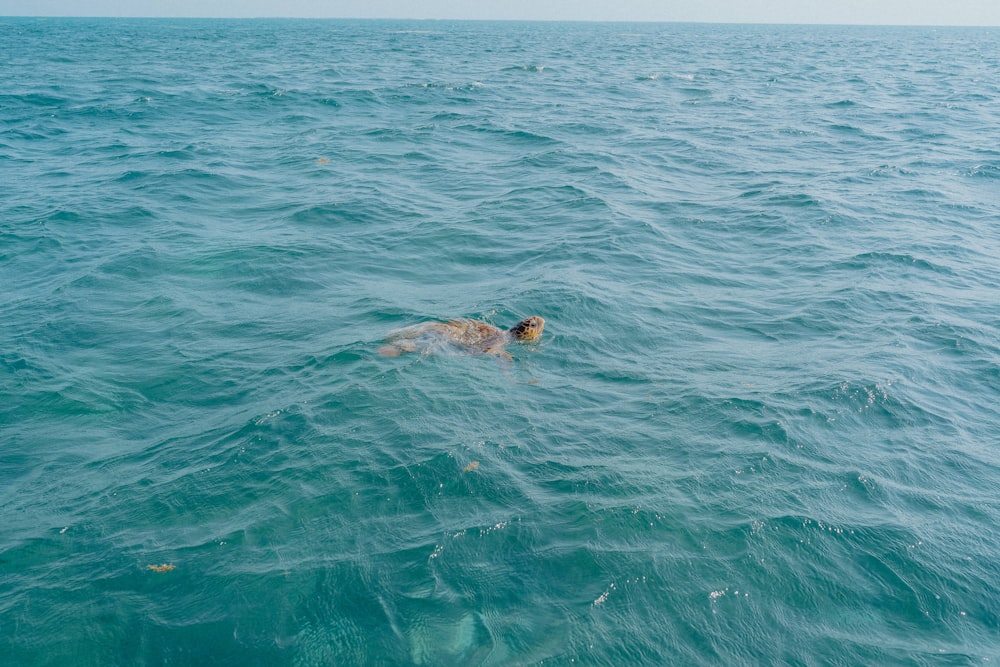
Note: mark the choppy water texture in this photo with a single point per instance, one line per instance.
(761, 426)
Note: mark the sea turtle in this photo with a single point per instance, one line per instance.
(461, 337)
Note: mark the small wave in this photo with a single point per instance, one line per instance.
(34, 99)
(61, 215)
(670, 75)
(525, 68)
(537, 197)
(870, 259)
(794, 200)
(332, 214)
(515, 134)
(448, 87)
(889, 170)
(697, 92)
(132, 175)
(444, 116)
(846, 129)
(185, 153)
(984, 171)
(759, 189)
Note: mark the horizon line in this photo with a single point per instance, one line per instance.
(487, 20)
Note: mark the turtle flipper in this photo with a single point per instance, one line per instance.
(396, 348)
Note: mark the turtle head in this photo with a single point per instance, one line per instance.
(529, 328)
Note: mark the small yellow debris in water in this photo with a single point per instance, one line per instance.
(322, 160)
(472, 466)
(162, 568)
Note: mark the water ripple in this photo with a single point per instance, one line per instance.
(757, 428)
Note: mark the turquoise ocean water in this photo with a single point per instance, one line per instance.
(761, 427)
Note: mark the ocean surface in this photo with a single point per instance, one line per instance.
(761, 426)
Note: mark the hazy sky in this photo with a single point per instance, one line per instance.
(902, 12)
